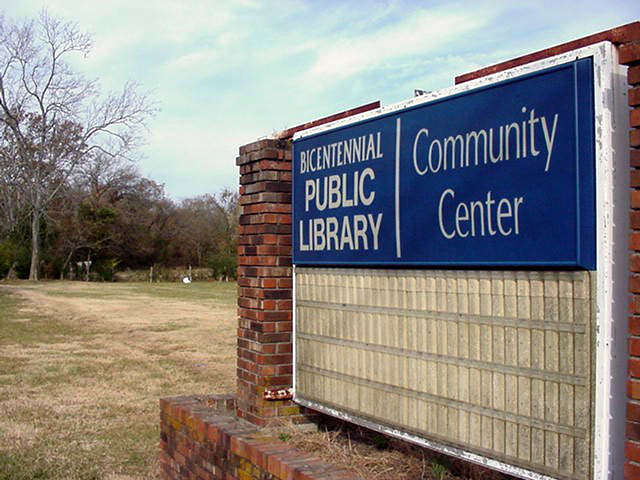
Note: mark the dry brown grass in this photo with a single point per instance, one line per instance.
(373, 456)
(82, 366)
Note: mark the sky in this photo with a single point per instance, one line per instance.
(224, 73)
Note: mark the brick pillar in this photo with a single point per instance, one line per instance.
(629, 54)
(265, 358)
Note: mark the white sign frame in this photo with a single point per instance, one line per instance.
(612, 207)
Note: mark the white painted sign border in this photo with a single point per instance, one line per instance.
(612, 207)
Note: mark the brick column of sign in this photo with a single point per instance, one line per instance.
(265, 359)
(630, 56)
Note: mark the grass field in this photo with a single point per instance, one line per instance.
(82, 366)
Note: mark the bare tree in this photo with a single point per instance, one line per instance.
(227, 203)
(54, 118)
(87, 202)
(11, 200)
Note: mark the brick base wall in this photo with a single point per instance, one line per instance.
(201, 439)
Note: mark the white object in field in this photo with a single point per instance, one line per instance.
(186, 280)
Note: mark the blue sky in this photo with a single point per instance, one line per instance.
(225, 73)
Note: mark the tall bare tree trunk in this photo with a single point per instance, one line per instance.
(34, 271)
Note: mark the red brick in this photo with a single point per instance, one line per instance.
(633, 75)
(633, 391)
(284, 304)
(622, 34)
(269, 305)
(634, 346)
(277, 294)
(258, 177)
(634, 117)
(634, 157)
(284, 327)
(248, 302)
(634, 96)
(626, 33)
(634, 367)
(280, 164)
(276, 381)
(285, 240)
(347, 113)
(284, 348)
(631, 471)
(274, 359)
(284, 261)
(634, 325)
(270, 239)
(270, 249)
(273, 337)
(629, 53)
(634, 241)
(633, 430)
(633, 411)
(634, 137)
(273, 316)
(283, 370)
(635, 199)
(257, 145)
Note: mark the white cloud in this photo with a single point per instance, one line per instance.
(194, 62)
(193, 158)
(417, 34)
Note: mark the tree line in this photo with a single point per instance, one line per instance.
(117, 219)
(69, 189)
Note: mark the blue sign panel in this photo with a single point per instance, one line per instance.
(503, 175)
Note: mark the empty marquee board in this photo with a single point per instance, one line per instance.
(498, 363)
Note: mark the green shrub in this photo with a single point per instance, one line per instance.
(10, 252)
(104, 269)
(223, 264)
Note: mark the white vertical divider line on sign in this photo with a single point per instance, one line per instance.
(397, 193)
